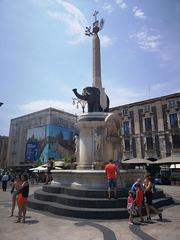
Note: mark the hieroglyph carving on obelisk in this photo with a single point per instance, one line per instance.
(97, 26)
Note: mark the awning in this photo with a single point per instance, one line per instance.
(137, 161)
(168, 160)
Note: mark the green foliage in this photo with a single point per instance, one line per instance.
(67, 161)
(38, 163)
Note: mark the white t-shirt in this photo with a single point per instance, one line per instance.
(5, 178)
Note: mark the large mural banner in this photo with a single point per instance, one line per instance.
(49, 141)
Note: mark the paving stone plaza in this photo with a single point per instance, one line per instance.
(41, 225)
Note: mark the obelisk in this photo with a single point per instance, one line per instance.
(97, 26)
(96, 62)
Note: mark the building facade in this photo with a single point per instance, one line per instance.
(151, 128)
(3, 151)
(39, 135)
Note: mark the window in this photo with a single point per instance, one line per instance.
(147, 108)
(149, 141)
(125, 112)
(176, 141)
(126, 127)
(148, 125)
(173, 120)
(171, 103)
(127, 144)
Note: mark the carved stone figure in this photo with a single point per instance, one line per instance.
(92, 96)
(76, 141)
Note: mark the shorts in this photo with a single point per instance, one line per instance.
(21, 199)
(112, 183)
(139, 209)
(148, 198)
(14, 194)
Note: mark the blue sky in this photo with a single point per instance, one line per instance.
(44, 53)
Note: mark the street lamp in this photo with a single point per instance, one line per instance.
(1, 104)
(80, 102)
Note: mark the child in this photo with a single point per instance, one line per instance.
(138, 201)
(130, 207)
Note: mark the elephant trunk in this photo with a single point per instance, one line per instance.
(78, 95)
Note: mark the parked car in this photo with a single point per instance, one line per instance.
(162, 180)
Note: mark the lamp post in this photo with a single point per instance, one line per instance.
(80, 102)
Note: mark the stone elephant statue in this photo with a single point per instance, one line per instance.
(92, 96)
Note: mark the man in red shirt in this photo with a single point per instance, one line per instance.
(138, 201)
(111, 174)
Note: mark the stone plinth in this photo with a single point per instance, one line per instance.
(87, 124)
(98, 138)
(93, 179)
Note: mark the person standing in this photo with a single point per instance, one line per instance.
(49, 168)
(111, 175)
(148, 186)
(130, 207)
(22, 198)
(14, 191)
(138, 181)
(4, 180)
(138, 201)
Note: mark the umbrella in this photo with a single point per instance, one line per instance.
(174, 166)
(137, 161)
(168, 160)
(39, 169)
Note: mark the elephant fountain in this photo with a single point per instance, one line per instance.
(92, 96)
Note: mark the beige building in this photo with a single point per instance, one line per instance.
(3, 151)
(38, 135)
(151, 128)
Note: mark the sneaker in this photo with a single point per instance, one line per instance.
(130, 223)
(160, 216)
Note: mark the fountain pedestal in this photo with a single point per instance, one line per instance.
(97, 142)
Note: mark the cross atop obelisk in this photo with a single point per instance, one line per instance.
(95, 15)
(97, 26)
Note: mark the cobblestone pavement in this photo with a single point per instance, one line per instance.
(40, 225)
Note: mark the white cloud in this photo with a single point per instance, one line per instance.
(121, 4)
(158, 86)
(73, 19)
(147, 41)
(105, 41)
(138, 13)
(42, 104)
(120, 96)
(107, 7)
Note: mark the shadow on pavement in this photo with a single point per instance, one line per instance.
(138, 232)
(31, 222)
(163, 220)
(108, 234)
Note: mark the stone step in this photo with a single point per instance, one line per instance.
(80, 201)
(89, 193)
(77, 212)
(100, 193)
(88, 213)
